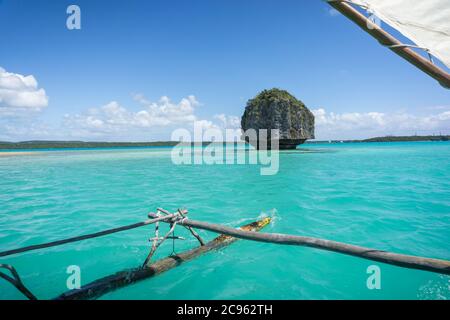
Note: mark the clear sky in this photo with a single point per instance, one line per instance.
(138, 69)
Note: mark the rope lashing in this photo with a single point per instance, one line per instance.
(157, 241)
(179, 216)
(155, 247)
(403, 45)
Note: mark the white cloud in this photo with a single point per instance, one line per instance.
(20, 93)
(113, 117)
(155, 120)
(26, 129)
(330, 125)
(164, 112)
(230, 122)
(115, 122)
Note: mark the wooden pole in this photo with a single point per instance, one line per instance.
(99, 287)
(401, 260)
(155, 240)
(86, 236)
(392, 43)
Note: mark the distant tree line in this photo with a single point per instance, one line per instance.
(407, 138)
(87, 145)
(81, 144)
(392, 139)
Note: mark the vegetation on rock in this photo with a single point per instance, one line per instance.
(278, 109)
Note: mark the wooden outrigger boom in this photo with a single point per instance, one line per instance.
(228, 235)
(396, 259)
(102, 286)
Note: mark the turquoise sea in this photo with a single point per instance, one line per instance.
(389, 196)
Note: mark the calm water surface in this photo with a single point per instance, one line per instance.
(389, 196)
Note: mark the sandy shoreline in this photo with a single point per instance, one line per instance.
(14, 153)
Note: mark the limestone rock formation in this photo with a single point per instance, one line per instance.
(278, 109)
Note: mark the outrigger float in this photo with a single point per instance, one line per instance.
(228, 236)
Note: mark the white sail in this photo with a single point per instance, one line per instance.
(425, 22)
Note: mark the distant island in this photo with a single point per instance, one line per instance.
(81, 144)
(25, 145)
(389, 139)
